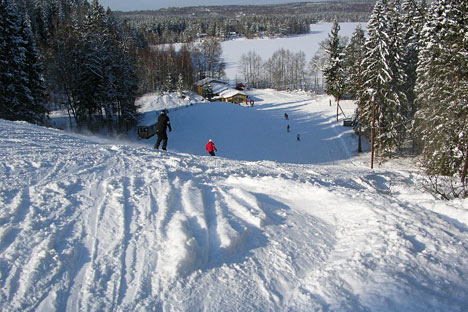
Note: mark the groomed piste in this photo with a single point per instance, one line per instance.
(269, 224)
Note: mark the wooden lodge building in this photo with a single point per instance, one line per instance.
(220, 91)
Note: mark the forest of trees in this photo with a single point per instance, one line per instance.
(76, 55)
(69, 53)
(411, 73)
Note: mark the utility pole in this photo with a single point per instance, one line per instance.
(359, 120)
(465, 167)
(372, 98)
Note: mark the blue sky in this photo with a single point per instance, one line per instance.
(133, 5)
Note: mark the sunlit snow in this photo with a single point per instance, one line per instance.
(270, 224)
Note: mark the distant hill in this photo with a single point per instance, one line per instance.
(338, 8)
(224, 22)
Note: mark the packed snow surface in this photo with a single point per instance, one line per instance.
(269, 224)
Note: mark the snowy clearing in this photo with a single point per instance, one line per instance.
(272, 224)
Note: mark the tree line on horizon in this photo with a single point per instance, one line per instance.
(176, 25)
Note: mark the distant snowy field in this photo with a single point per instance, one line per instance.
(309, 44)
(271, 224)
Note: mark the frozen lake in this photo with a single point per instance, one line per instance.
(309, 44)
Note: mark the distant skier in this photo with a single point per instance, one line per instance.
(287, 128)
(298, 137)
(163, 123)
(286, 116)
(211, 148)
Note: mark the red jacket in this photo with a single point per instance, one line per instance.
(210, 147)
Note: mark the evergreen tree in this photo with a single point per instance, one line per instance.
(354, 54)
(413, 15)
(180, 85)
(121, 77)
(354, 67)
(12, 58)
(334, 71)
(385, 76)
(35, 108)
(442, 89)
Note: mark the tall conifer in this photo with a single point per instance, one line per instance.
(442, 89)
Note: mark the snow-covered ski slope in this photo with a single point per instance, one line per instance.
(88, 224)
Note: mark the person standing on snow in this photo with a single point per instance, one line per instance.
(163, 123)
(211, 148)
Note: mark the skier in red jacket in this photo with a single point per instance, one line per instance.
(211, 148)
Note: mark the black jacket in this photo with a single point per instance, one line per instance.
(163, 123)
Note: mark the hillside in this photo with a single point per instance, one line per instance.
(331, 7)
(271, 224)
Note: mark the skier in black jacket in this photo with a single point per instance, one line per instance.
(163, 123)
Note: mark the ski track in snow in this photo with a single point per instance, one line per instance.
(93, 226)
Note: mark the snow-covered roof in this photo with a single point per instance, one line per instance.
(217, 87)
(230, 93)
(207, 81)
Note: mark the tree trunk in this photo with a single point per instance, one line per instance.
(465, 167)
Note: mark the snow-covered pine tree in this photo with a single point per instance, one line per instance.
(384, 75)
(121, 73)
(180, 85)
(20, 77)
(12, 58)
(354, 54)
(35, 108)
(90, 52)
(354, 71)
(400, 117)
(412, 17)
(442, 89)
(334, 72)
